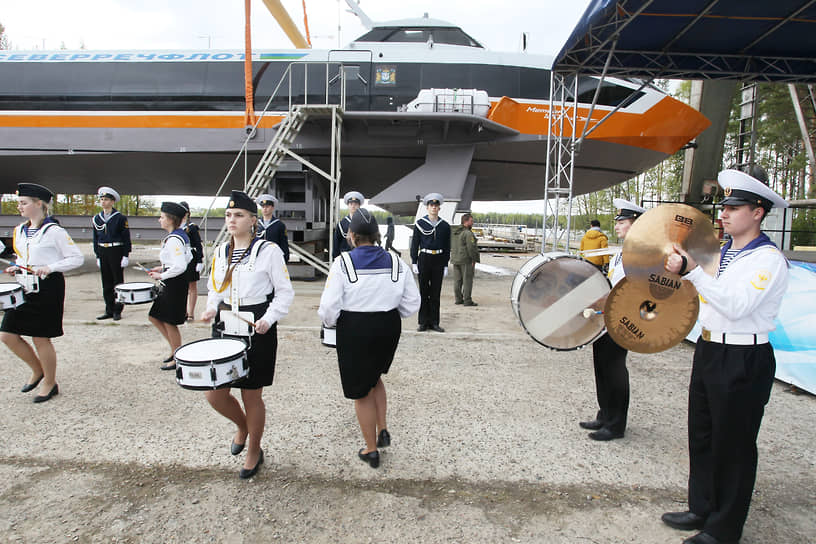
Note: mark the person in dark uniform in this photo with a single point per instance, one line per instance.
(111, 245)
(608, 358)
(367, 292)
(353, 200)
(169, 309)
(44, 251)
(430, 252)
(733, 367)
(270, 227)
(389, 236)
(248, 275)
(195, 267)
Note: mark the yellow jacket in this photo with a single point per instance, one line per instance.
(595, 239)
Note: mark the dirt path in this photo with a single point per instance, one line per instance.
(484, 421)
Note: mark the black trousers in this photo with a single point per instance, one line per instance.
(110, 261)
(431, 272)
(730, 386)
(611, 383)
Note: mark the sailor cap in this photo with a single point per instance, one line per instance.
(740, 188)
(362, 222)
(626, 209)
(174, 209)
(108, 192)
(35, 191)
(353, 195)
(241, 200)
(430, 197)
(266, 199)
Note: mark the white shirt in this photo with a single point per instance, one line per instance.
(254, 281)
(51, 246)
(616, 272)
(372, 292)
(745, 297)
(174, 256)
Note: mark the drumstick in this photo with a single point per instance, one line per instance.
(247, 321)
(27, 269)
(589, 312)
(139, 266)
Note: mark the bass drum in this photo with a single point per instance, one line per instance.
(558, 299)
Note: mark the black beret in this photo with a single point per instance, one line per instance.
(241, 200)
(185, 206)
(362, 222)
(173, 209)
(35, 191)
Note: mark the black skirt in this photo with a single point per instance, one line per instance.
(170, 305)
(261, 355)
(366, 343)
(191, 272)
(41, 314)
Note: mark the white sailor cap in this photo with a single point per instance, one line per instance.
(740, 188)
(266, 199)
(430, 197)
(626, 209)
(108, 192)
(353, 195)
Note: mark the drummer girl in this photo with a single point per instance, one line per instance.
(248, 275)
(169, 310)
(46, 251)
(367, 293)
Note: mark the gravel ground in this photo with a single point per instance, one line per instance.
(486, 446)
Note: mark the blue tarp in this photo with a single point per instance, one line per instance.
(695, 39)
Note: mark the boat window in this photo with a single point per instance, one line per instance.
(445, 35)
(611, 94)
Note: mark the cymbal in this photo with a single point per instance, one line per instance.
(650, 238)
(649, 317)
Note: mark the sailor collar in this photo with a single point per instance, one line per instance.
(104, 220)
(426, 227)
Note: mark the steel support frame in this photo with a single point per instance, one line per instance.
(562, 130)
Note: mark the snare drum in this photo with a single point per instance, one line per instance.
(209, 363)
(140, 292)
(11, 295)
(550, 294)
(328, 336)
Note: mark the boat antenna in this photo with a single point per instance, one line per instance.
(358, 11)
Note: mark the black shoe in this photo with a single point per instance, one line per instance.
(169, 359)
(705, 538)
(117, 316)
(604, 435)
(235, 449)
(53, 393)
(459, 302)
(422, 328)
(436, 328)
(593, 425)
(171, 366)
(247, 473)
(372, 457)
(29, 386)
(384, 439)
(685, 521)
(471, 303)
(106, 315)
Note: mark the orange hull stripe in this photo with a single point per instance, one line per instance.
(131, 121)
(666, 127)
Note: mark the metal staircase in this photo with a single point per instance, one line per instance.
(280, 148)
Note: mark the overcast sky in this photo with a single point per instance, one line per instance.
(219, 24)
